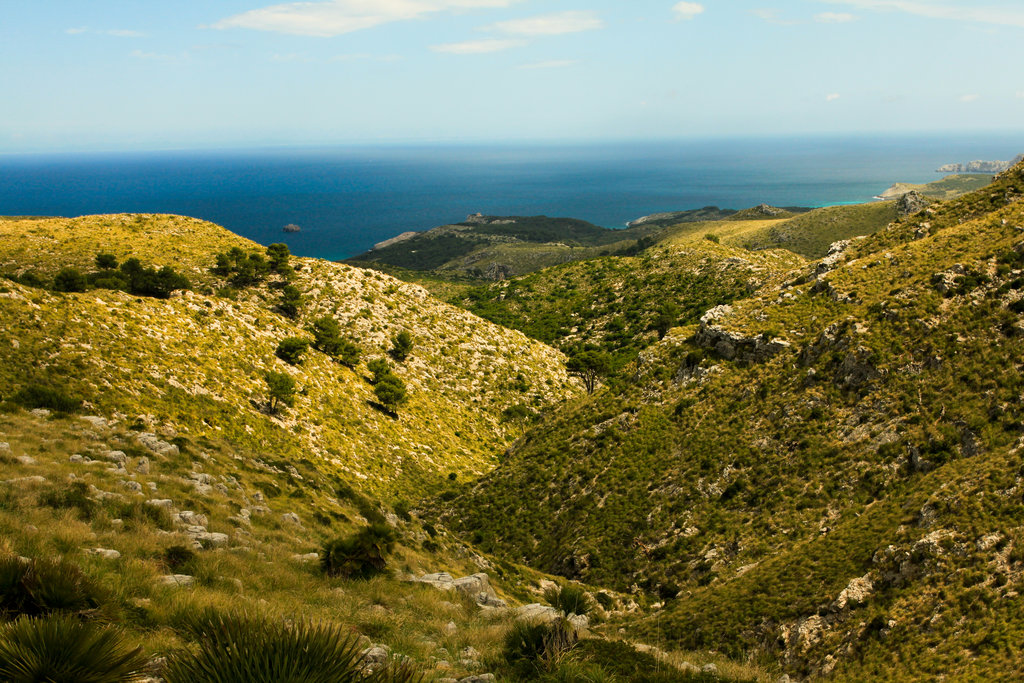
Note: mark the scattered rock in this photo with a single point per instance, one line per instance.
(132, 486)
(190, 518)
(478, 678)
(143, 465)
(5, 447)
(96, 421)
(450, 628)
(291, 518)
(105, 553)
(40, 412)
(76, 457)
(27, 480)
(709, 669)
(165, 503)
(537, 612)
(308, 557)
(116, 456)
(156, 445)
(856, 593)
(26, 460)
(178, 580)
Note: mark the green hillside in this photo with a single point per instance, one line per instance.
(154, 506)
(197, 360)
(622, 304)
(822, 476)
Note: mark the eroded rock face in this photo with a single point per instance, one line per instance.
(734, 346)
(856, 593)
(910, 203)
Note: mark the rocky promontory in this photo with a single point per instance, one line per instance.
(980, 166)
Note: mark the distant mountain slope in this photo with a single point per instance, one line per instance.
(197, 360)
(825, 475)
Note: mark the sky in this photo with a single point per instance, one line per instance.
(193, 74)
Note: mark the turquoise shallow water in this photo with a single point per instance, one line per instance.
(347, 199)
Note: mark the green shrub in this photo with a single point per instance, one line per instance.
(70, 280)
(178, 557)
(247, 649)
(401, 346)
(291, 301)
(290, 350)
(71, 496)
(280, 389)
(569, 599)
(359, 556)
(390, 391)
(106, 261)
(65, 649)
(43, 586)
(40, 396)
(532, 647)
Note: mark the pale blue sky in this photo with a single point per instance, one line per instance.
(146, 74)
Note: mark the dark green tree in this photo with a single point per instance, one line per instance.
(326, 335)
(401, 346)
(349, 353)
(390, 391)
(106, 261)
(291, 301)
(589, 366)
(379, 368)
(278, 256)
(281, 390)
(70, 280)
(668, 314)
(290, 350)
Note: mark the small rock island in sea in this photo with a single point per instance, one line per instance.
(291, 227)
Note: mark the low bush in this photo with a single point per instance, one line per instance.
(359, 556)
(35, 396)
(569, 599)
(38, 587)
(247, 649)
(63, 648)
(535, 647)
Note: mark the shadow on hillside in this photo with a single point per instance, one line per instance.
(381, 408)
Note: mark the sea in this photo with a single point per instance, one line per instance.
(346, 199)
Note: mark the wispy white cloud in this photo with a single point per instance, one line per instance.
(834, 17)
(366, 57)
(1020, 94)
(771, 15)
(551, 64)
(477, 47)
(687, 10)
(336, 17)
(292, 58)
(550, 24)
(970, 98)
(1005, 14)
(155, 56)
(832, 97)
(116, 32)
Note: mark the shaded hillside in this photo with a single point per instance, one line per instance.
(198, 359)
(825, 475)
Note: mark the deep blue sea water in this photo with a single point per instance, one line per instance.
(347, 199)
